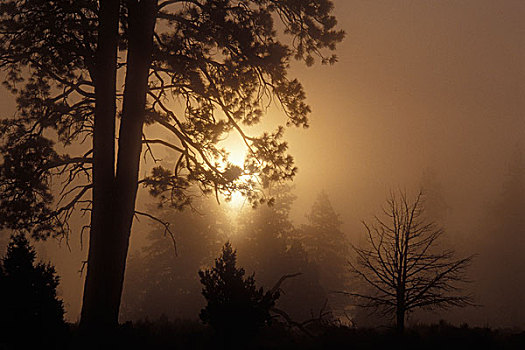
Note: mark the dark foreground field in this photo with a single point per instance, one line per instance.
(193, 335)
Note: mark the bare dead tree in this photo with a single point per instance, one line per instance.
(404, 265)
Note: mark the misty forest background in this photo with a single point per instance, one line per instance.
(416, 101)
(162, 280)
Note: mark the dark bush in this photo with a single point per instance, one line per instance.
(29, 308)
(236, 307)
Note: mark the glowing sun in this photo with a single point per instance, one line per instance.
(237, 202)
(236, 148)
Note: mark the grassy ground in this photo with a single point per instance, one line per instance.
(163, 334)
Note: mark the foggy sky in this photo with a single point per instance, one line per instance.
(419, 85)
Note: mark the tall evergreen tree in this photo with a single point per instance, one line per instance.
(28, 299)
(264, 234)
(268, 245)
(327, 245)
(78, 67)
(162, 278)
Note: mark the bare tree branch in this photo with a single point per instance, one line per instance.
(166, 225)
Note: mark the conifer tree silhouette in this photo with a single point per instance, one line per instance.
(28, 299)
(235, 306)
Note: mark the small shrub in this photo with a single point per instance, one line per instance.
(235, 305)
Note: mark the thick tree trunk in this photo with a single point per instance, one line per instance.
(400, 306)
(109, 238)
(400, 320)
(141, 22)
(96, 306)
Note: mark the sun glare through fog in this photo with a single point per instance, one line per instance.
(237, 153)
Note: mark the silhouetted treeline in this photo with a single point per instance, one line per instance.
(164, 293)
(272, 246)
(162, 279)
(162, 282)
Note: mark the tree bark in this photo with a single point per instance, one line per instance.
(109, 237)
(141, 25)
(96, 302)
(400, 320)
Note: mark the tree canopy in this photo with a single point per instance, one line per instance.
(215, 67)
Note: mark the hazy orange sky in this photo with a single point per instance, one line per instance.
(418, 84)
